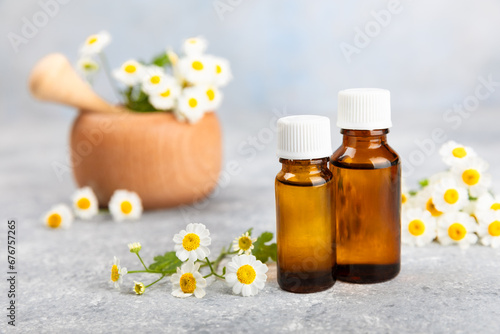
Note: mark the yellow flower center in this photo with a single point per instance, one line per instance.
(193, 41)
(403, 198)
(246, 274)
(126, 207)
(459, 152)
(115, 275)
(451, 196)
(495, 206)
(89, 66)
(432, 209)
(471, 177)
(244, 243)
(83, 203)
(54, 220)
(130, 68)
(191, 242)
(166, 93)
(188, 283)
(494, 228)
(457, 231)
(155, 79)
(218, 69)
(416, 227)
(197, 65)
(192, 102)
(92, 40)
(139, 288)
(211, 94)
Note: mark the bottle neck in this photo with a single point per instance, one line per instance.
(365, 138)
(304, 166)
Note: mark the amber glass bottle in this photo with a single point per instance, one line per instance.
(367, 189)
(304, 220)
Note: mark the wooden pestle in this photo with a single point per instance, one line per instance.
(54, 79)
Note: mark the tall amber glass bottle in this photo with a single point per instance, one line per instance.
(367, 189)
(304, 220)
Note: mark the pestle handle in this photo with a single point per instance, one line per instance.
(54, 79)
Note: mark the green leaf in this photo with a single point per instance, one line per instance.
(424, 183)
(264, 251)
(161, 60)
(224, 271)
(166, 263)
(412, 192)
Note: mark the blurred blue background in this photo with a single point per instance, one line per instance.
(285, 55)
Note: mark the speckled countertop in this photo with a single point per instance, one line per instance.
(63, 275)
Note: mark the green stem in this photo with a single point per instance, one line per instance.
(159, 279)
(140, 258)
(150, 272)
(212, 272)
(107, 70)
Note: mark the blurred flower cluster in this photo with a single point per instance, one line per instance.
(123, 205)
(455, 206)
(188, 85)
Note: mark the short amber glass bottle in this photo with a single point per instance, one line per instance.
(367, 190)
(304, 220)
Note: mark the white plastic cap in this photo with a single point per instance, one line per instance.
(364, 109)
(304, 137)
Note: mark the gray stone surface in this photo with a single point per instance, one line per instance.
(63, 275)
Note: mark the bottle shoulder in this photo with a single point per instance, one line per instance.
(304, 178)
(381, 156)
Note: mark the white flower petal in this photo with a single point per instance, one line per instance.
(237, 288)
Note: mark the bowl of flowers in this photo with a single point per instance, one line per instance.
(162, 140)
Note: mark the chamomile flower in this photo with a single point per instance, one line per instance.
(172, 57)
(457, 228)
(213, 97)
(192, 243)
(197, 69)
(407, 200)
(87, 66)
(194, 46)
(222, 71)
(489, 229)
(59, 216)
(452, 152)
(125, 205)
(246, 275)
(191, 105)
(130, 73)
(487, 203)
(117, 273)
(85, 204)
(188, 281)
(154, 80)
(448, 196)
(471, 173)
(95, 43)
(436, 178)
(166, 99)
(139, 288)
(134, 247)
(424, 200)
(244, 244)
(418, 227)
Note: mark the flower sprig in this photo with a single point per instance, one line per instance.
(245, 273)
(454, 207)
